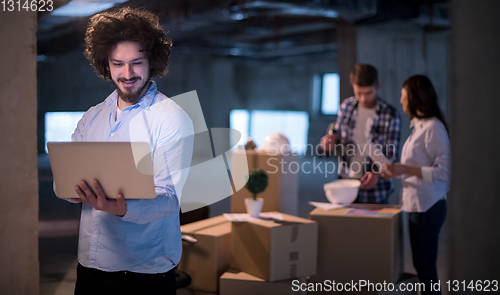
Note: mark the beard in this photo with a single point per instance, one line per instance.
(131, 96)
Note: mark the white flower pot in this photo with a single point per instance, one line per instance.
(254, 207)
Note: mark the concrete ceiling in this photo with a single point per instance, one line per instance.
(263, 29)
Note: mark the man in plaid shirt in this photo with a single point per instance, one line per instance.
(368, 118)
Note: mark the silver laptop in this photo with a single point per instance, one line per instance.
(120, 167)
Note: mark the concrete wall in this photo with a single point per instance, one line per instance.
(475, 198)
(67, 83)
(18, 176)
(399, 50)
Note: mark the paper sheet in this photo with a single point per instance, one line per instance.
(361, 212)
(273, 216)
(238, 217)
(243, 217)
(326, 206)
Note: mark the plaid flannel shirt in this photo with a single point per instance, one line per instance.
(385, 131)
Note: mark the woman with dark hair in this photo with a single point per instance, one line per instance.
(425, 175)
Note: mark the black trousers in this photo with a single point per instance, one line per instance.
(424, 236)
(96, 282)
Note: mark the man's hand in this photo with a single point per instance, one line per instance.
(100, 202)
(369, 180)
(327, 143)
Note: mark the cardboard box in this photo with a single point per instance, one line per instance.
(275, 250)
(282, 191)
(206, 260)
(367, 245)
(236, 282)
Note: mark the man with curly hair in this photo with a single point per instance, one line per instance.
(132, 246)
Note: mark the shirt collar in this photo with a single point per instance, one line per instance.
(377, 107)
(416, 121)
(144, 102)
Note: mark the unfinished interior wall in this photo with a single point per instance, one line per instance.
(401, 49)
(473, 207)
(18, 175)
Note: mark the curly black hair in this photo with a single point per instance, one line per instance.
(107, 29)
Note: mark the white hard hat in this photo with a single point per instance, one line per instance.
(275, 142)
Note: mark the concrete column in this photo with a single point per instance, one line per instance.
(346, 58)
(19, 272)
(223, 94)
(474, 202)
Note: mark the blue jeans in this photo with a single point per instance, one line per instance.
(424, 236)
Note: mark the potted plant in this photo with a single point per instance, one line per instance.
(257, 183)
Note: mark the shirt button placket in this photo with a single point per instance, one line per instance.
(94, 239)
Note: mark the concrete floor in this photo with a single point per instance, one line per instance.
(59, 220)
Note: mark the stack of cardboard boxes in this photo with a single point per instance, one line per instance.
(273, 252)
(267, 256)
(254, 257)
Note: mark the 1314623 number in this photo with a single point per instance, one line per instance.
(472, 286)
(27, 5)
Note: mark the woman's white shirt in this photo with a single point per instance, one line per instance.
(428, 146)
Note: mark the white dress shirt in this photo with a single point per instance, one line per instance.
(428, 147)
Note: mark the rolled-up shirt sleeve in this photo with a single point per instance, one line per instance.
(437, 146)
(145, 211)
